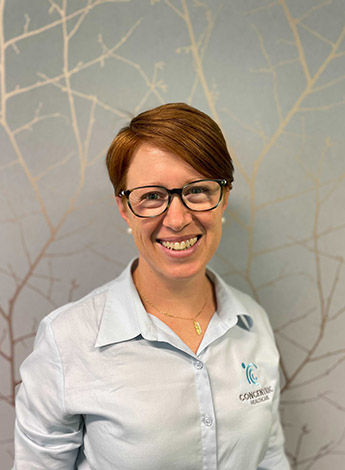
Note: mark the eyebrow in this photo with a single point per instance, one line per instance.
(164, 186)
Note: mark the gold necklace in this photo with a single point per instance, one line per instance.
(196, 324)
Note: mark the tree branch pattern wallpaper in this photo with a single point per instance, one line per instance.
(272, 74)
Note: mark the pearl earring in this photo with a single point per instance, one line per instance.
(129, 230)
(223, 220)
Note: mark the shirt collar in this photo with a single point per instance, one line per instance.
(124, 317)
(230, 309)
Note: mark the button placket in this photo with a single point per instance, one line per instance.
(207, 415)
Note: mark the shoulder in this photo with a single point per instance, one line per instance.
(80, 320)
(249, 303)
(247, 309)
(247, 300)
(258, 314)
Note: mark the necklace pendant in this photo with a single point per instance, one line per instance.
(197, 327)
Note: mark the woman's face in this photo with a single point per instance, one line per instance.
(152, 166)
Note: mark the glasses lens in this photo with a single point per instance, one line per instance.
(202, 195)
(148, 201)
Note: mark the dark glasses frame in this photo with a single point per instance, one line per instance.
(171, 192)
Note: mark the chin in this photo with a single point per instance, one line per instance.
(183, 272)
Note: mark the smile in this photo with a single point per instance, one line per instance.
(179, 246)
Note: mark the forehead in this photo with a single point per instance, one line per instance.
(151, 165)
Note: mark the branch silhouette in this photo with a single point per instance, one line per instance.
(317, 95)
(69, 24)
(321, 188)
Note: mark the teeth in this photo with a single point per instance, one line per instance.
(180, 246)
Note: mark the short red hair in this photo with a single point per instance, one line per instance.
(177, 128)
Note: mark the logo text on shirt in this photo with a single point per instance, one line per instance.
(257, 396)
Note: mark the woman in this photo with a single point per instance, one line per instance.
(166, 367)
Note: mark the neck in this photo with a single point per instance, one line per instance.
(167, 291)
(184, 305)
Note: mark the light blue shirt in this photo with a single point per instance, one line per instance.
(111, 387)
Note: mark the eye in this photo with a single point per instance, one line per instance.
(146, 198)
(198, 190)
(152, 196)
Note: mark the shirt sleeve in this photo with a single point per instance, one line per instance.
(275, 458)
(46, 436)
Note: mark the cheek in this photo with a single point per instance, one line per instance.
(143, 231)
(213, 223)
(217, 228)
(218, 233)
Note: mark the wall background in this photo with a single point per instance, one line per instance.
(272, 73)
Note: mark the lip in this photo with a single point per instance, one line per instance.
(179, 253)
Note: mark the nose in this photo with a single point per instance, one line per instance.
(177, 216)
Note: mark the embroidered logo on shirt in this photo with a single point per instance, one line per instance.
(250, 373)
(258, 395)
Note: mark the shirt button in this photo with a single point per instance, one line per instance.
(208, 421)
(198, 365)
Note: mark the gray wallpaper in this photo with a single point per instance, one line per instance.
(272, 73)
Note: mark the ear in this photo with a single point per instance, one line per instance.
(225, 197)
(123, 208)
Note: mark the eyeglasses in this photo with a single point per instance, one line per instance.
(197, 196)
